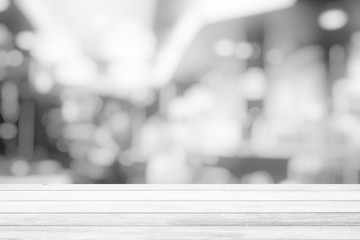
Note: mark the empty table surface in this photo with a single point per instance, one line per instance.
(181, 212)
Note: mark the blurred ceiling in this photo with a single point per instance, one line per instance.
(88, 20)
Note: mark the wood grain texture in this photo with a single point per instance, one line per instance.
(176, 233)
(104, 212)
(177, 195)
(181, 219)
(180, 206)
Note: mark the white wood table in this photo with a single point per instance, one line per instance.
(181, 212)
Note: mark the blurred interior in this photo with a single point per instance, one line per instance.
(179, 91)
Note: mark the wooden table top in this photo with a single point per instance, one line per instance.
(181, 212)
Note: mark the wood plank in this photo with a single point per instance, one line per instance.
(176, 233)
(180, 187)
(186, 195)
(150, 219)
(187, 212)
(180, 206)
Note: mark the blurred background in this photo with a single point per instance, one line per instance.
(179, 91)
